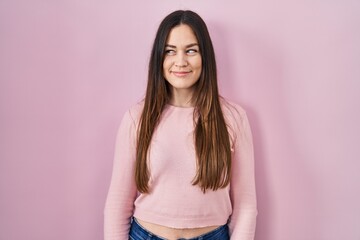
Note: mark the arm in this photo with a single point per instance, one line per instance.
(119, 204)
(242, 186)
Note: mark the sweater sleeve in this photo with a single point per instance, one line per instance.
(242, 186)
(122, 192)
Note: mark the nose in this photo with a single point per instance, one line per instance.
(181, 60)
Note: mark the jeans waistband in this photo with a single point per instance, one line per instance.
(137, 232)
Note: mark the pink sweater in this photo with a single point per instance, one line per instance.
(173, 201)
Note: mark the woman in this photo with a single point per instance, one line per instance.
(183, 166)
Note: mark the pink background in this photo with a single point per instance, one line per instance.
(69, 70)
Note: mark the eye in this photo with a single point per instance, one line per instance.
(191, 51)
(170, 52)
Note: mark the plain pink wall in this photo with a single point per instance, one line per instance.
(69, 70)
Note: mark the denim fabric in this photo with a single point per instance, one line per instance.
(137, 232)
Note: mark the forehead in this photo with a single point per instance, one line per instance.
(181, 35)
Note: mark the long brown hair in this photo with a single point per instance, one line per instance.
(211, 137)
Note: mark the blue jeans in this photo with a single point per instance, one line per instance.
(137, 232)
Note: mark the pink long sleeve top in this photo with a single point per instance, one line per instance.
(173, 201)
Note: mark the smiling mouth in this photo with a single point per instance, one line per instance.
(181, 73)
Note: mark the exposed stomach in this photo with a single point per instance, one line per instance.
(175, 233)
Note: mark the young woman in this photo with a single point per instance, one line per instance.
(183, 165)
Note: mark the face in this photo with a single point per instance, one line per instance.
(182, 63)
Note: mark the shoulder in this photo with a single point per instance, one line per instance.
(237, 121)
(133, 114)
(136, 110)
(233, 112)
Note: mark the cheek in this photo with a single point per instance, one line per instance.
(199, 67)
(166, 67)
(166, 64)
(196, 62)
(200, 63)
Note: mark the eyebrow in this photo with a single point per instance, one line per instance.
(187, 46)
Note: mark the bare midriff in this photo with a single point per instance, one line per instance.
(174, 233)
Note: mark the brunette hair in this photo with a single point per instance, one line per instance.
(211, 137)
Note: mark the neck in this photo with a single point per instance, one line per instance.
(181, 98)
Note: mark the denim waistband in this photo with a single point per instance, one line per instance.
(137, 232)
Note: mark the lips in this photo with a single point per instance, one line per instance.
(181, 73)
